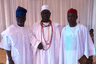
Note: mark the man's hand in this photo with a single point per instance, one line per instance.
(11, 61)
(9, 57)
(40, 46)
(89, 62)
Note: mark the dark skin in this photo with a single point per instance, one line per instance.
(20, 22)
(72, 17)
(90, 60)
(45, 15)
(9, 57)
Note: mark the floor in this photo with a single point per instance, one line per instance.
(94, 60)
(3, 57)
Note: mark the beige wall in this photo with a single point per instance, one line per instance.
(94, 23)
(58, 10)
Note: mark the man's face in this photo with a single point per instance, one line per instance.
(21, 20)
(45, 14)
(71, 18)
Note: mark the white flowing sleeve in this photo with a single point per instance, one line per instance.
(61, 53)
(5, 43)
(89, 46)
(33, 40)
(57, 43)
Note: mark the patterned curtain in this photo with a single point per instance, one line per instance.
(58, 10)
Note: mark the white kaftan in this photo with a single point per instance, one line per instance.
(50, 56)
(75, 42)
(16, 39)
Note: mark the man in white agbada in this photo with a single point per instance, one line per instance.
(16, 40)
(45, 39)
(75, 41)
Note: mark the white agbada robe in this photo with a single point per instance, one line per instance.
(50, 56)
(16, 40)
(75, 42)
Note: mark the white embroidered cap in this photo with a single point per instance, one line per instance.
(45, 7)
